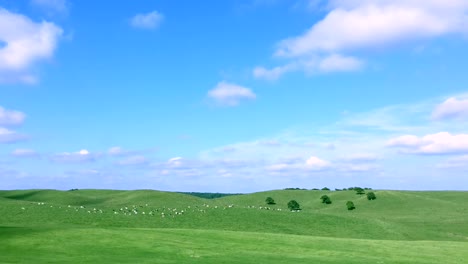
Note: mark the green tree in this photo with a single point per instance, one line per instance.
(359, 190)
(325, 199)
(293, 205)
(371, 196)
(325, 189)
(270, 200)
(350, 205)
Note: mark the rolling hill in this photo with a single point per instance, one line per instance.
(397, 227)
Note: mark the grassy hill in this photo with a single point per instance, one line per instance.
(397, 227)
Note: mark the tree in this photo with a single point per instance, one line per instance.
(359, 190)
(325, 199)
(293, 205)
(350, 205)
(325, 189)
(270, 200)
(371, 196)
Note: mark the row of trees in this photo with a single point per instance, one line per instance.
(293, 205)
(328, 189)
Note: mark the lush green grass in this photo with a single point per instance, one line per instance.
(136, 245)
(89, 226)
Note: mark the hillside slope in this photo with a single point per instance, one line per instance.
(395, 215)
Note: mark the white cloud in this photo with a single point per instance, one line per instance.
(79, 156)
(451, 108)
(59, 6)
(439, 143)
(315, 163)
(26, 43)
(274, 73)
(299, 165)
(352, 25)
(24, 153)
(115, 151)
(175, 162)
(316, 64)
(229, 94)
(337, 62)
(11, 117)
(405, 141)
(9, 136)
(150, 20)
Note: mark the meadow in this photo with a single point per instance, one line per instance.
(145, 226)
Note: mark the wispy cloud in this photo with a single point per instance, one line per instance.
(11, 117)
(27, 42)
(27, 153)
(74, 157)
(458, 162)
(133, 161)
(54, 6)
(229, 94)
(150, 20)
(9, 136)
(451, 108)
(352, 26)
(439, 143)
(312, 65)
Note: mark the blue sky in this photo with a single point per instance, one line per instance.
(234, 96)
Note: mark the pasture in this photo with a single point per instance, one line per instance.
(106, 226)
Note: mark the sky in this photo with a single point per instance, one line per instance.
(234, 95)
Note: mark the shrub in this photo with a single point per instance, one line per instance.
(270, 200)
(325, 199)
(293, 205)
(350, 205)
(371, 196)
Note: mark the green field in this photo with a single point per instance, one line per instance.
(104, 226)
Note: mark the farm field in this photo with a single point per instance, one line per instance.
(106, 226)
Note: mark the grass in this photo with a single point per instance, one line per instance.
(398, 227)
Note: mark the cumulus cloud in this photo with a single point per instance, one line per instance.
(315, 163)
(24, 153)
(57, 6)
(451, 108)
(439, 143)
(26, 42)
(79, 156)
(150, 20)
(9, 136)
(11, 117)
(352, 25)
(360, 24)
(229, 94)
(299, 165)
